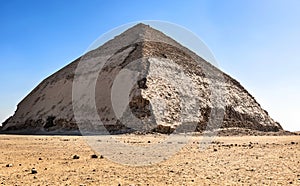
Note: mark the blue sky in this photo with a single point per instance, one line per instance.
(257, 42)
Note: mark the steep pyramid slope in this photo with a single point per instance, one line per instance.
(154, 100)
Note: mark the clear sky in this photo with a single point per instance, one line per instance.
(256, 41)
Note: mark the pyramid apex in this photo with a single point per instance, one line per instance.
(140, 26)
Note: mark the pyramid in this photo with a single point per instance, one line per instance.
(173, 89)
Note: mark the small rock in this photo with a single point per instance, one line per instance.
(292, 143)
(75, 157)
(33, 171)
(40, 159)
(94, 156)
(149, 141)
(101, 157)
(9, 165)
(215, 150)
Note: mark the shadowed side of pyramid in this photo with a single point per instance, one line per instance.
(49, 108)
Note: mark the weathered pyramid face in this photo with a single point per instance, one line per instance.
(142, 80)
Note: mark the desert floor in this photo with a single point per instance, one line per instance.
(247, 160)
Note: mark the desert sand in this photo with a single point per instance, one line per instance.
(243, 160)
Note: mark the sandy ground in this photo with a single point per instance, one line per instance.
(248, 160)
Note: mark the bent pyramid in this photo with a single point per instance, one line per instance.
(174, 88)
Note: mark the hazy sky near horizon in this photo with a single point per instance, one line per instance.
(257, 42)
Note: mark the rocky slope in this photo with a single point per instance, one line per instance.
(174, 88)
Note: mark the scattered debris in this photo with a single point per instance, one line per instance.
(9, 165)
(94, 156)
(33, 171)
(76, 157)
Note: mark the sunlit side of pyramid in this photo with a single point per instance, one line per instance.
(49, 109)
